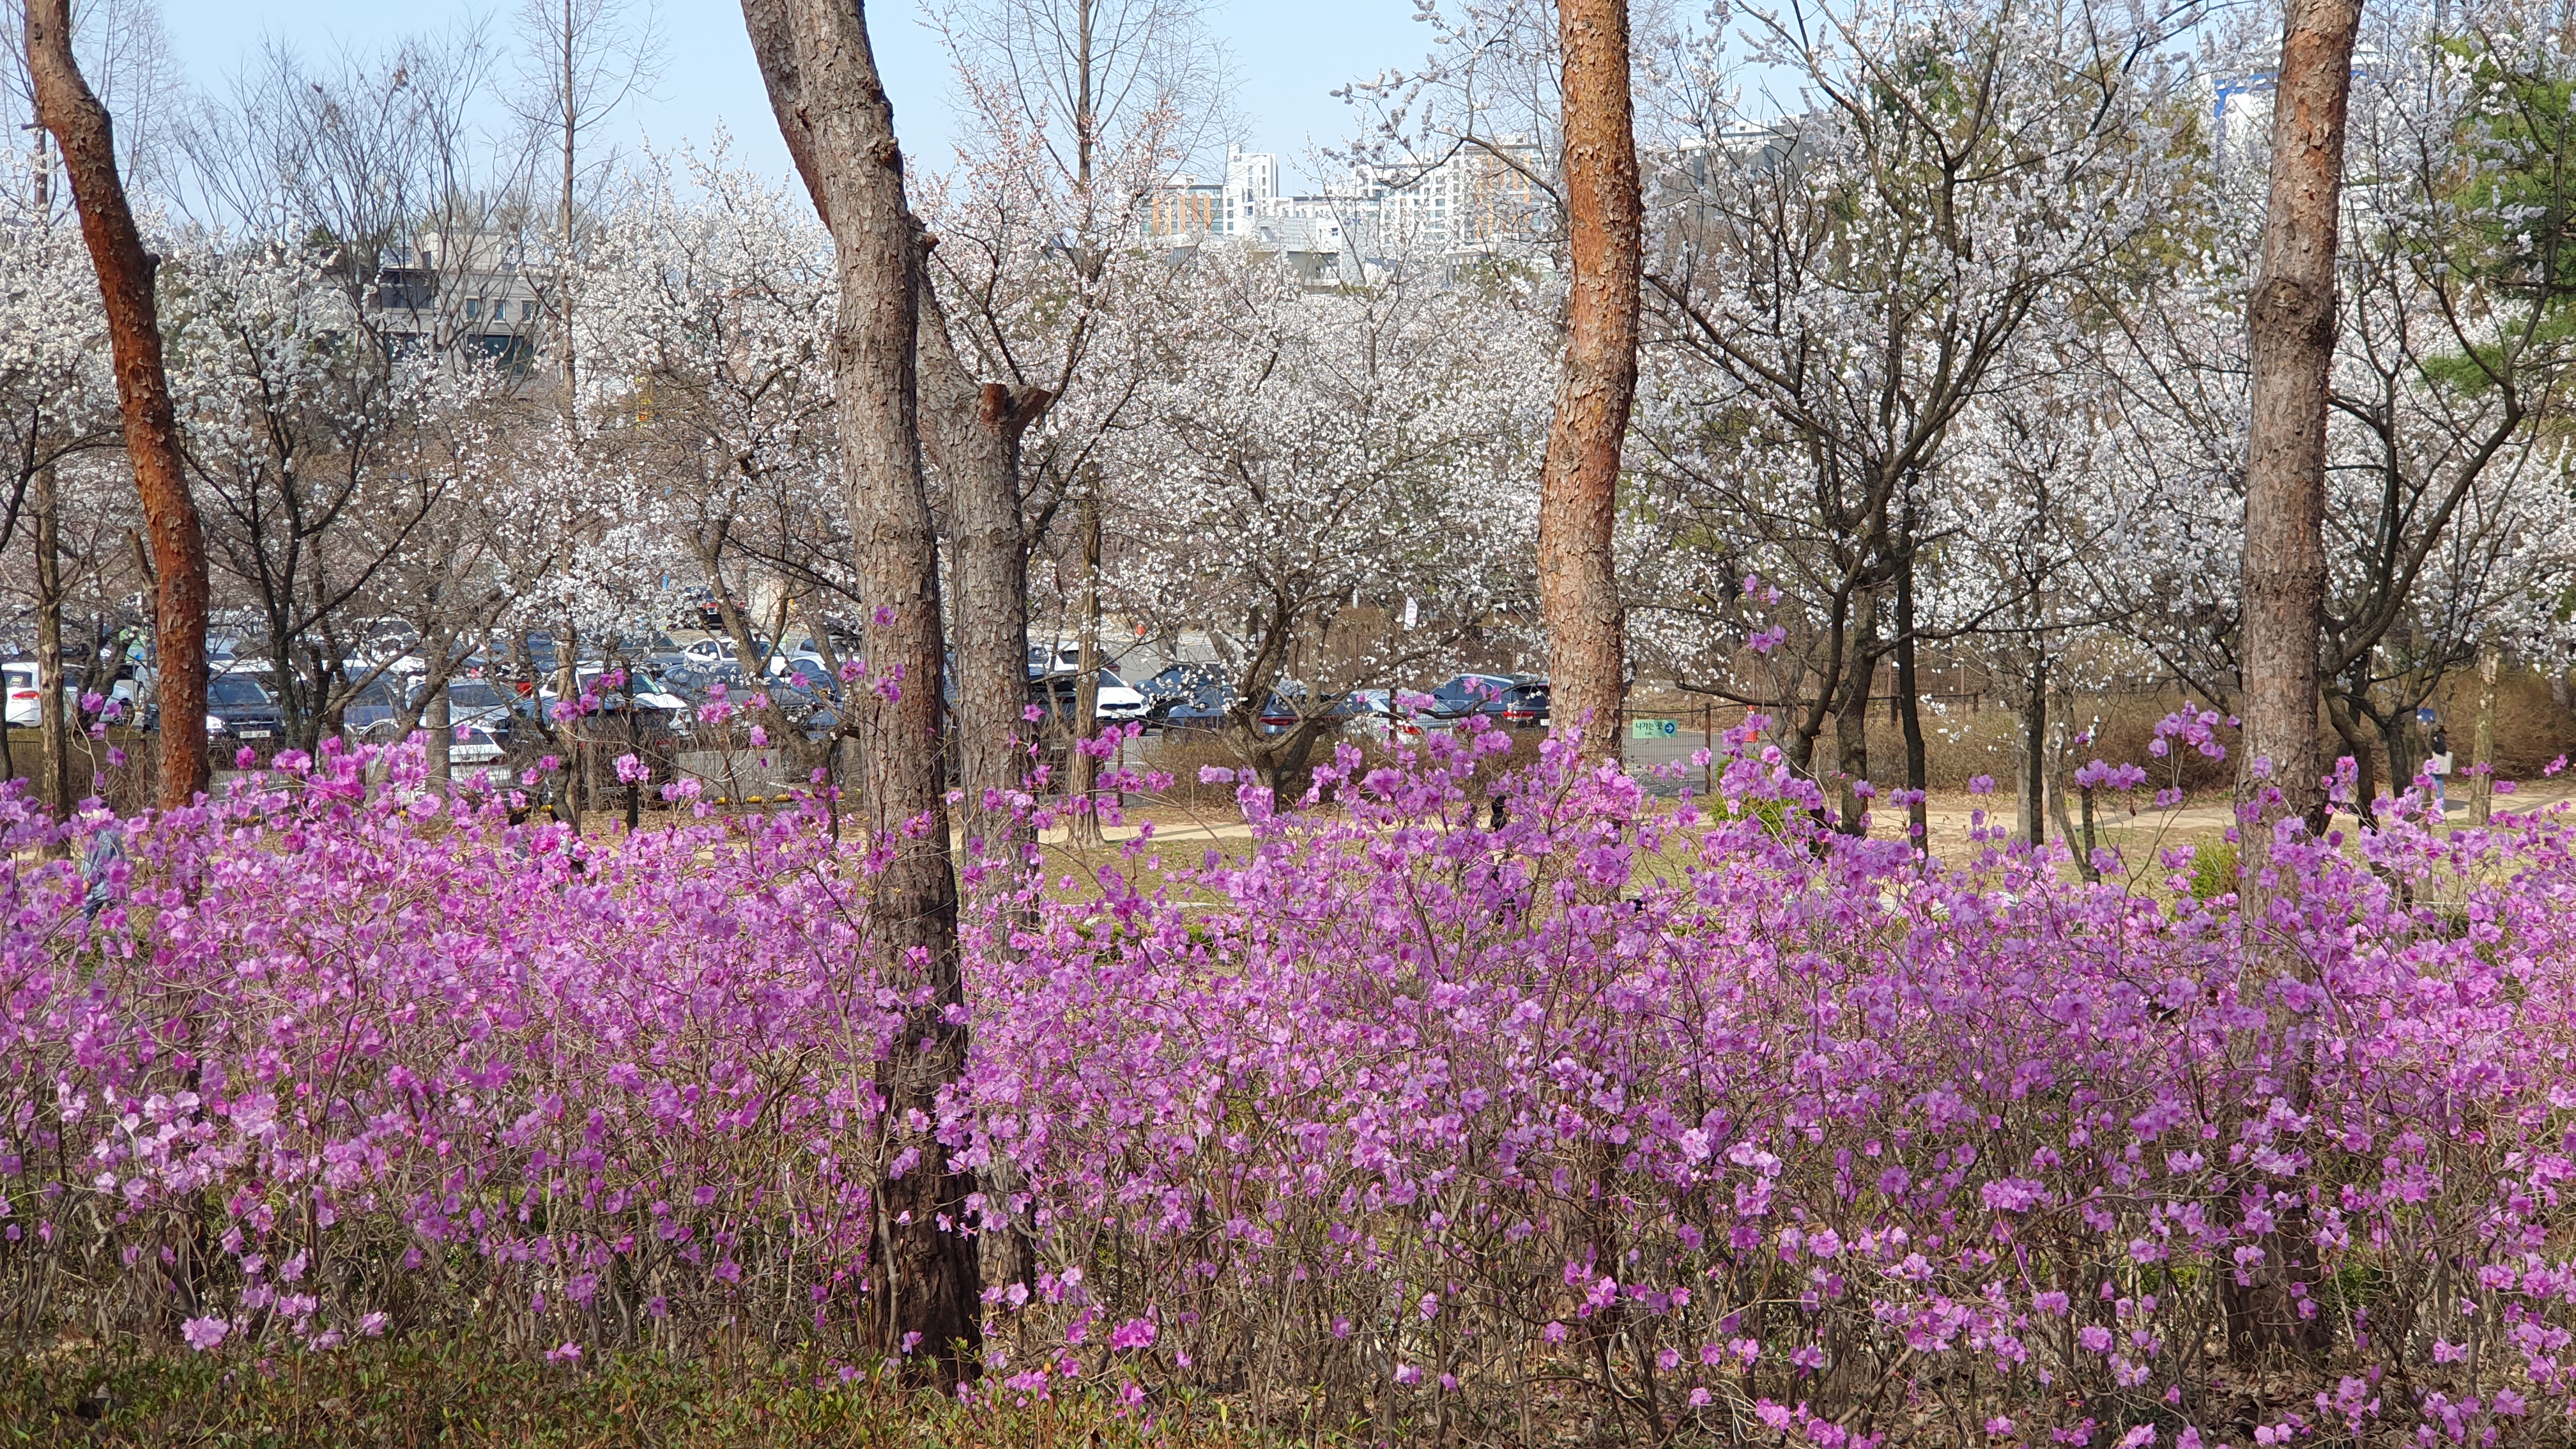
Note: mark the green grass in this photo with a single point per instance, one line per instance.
(454, 1394)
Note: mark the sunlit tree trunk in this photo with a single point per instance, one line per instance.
(68, 109)
(839, 126)
(1579, 481)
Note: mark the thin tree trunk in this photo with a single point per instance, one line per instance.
(53, 721)
(571, 125)
(1579, 480)
(437, 722)
(1082, 770)
(973, 434)
(2482, 761)
(80, 126)
(2079, 847)
(839, 126)
(1851, 743)
(2031, 814)
(2291, 323)
(1909, 716)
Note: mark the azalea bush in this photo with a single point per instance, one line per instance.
(1663, 1117)
(322, 1060)
(1705, 1119)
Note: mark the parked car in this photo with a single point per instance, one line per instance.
(695, 682)
(376, 709)
(478, 701)
(657, 709)
(239, 707)
(477, 743)
(27, 697)
(807, 671)
(713, 650)
(1517, 701)
(1117, 702)
(1390, 716)
(1188, 696)
(1286, 708)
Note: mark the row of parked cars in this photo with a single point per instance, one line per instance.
(1201, 696)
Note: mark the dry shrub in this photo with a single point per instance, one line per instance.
(126, 787)
(1960, 745)
(2531, 728)
(1182, 753)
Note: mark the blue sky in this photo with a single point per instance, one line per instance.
(1289, 57)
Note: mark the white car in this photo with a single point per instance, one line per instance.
(709, 652)
(475, 744)
(1118, 701)
(27, 698)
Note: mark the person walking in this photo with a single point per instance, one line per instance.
(2437, 770)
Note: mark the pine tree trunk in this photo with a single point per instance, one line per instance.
(839, 126)
(1579, 480)
(2291, 323)
(67, 108)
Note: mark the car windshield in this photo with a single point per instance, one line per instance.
(235, 689)
(471, 694)
(376, 691)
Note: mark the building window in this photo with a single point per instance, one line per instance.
(527, 311)
(473, 308)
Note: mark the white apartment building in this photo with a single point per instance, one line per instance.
(1476, 200)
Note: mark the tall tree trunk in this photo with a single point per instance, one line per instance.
(80, 126)
(973, 434)
(53, 719)
(570, 35)
(838, 124)
(1579, 481)
(2291, 323)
